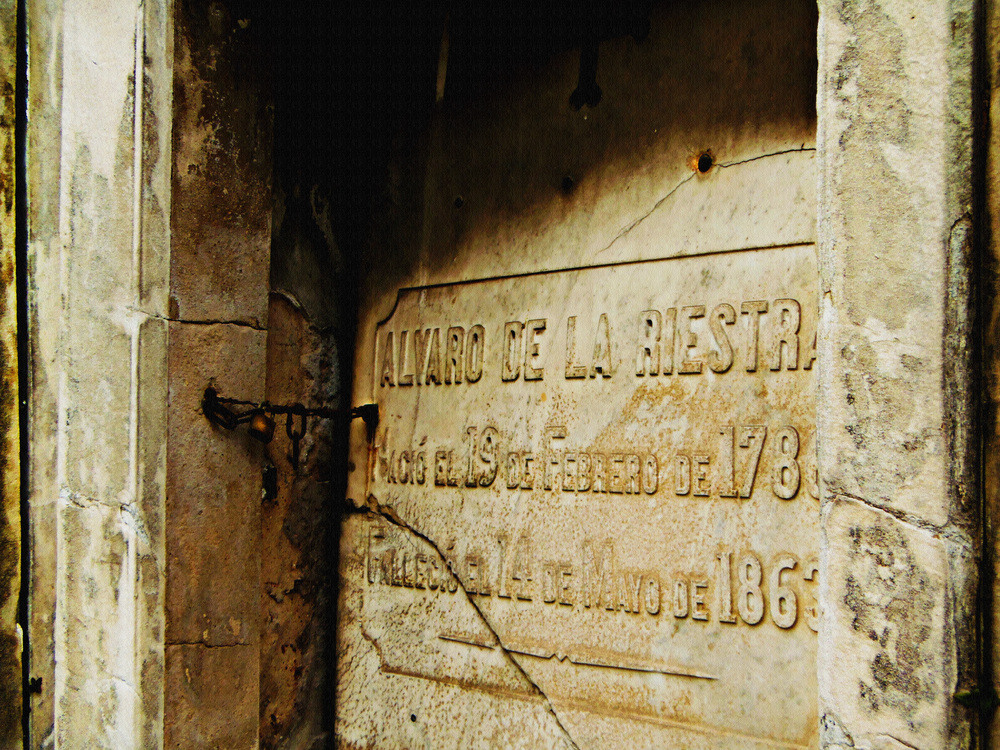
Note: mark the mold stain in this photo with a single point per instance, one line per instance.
(891, 599)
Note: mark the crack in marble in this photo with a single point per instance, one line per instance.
(388, 514)
(719, 165)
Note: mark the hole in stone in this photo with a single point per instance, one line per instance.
(459, 201)
(413, 717)
(705, 162)
(567, 185)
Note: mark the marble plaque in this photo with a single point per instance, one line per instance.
(616, 464)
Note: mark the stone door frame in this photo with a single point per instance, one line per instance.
(118, 280)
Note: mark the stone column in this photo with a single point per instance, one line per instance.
(899, 512)
(99, 196)
(149, 224)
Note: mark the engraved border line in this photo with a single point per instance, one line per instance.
(592, 708)
(520, 695)
(600, 709)
(596, 266)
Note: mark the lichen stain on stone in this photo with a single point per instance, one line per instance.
(10, 651)
(882, 79)
(882, 405)
(892, 601)
(871, 82)
(115, 554)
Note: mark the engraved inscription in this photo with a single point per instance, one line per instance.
(728, 469)
(697, 340)
(592, 577)
(618, 466)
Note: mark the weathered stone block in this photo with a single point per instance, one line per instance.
(213, 489)
(298, 521)
(886, 673)
(895, 180)
(220, 217)
(107, 627)
(11, 645)
(211, 697)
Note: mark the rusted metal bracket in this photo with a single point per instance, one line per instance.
(587, 91)
(260, 417)
(600, 25)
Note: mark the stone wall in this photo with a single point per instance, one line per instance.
(99, 201)
(987, 293)
(150, 211)
(149, 226)
(898, 446)
(220, 246)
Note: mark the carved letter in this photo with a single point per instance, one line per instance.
(683, 476)
(474, 353)
(420, 341)
(433, 373)
(533, 329)
(553, 458)
(753, 309)
(511, 351)
(405, 378)
(722, 360)
(648, 356)
(453, 360)
(388, 362)
(668, 339)
(601, 362)
(787, 318)
(650, 475)
(689, 339)
(573, 370)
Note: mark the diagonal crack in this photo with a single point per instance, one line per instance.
(900, 742)
(628, 228)
(955, 535)
(375, 644)
(392, 517)
(253, 323)
(624, 231)
(799, 150)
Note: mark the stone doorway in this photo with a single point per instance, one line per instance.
(579, 260)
